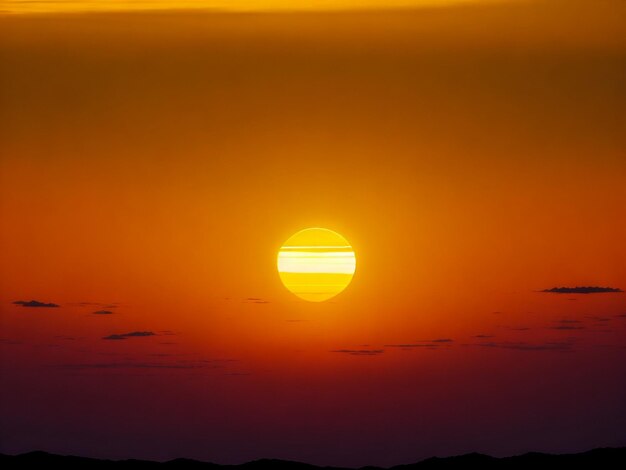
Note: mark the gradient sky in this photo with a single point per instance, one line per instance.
(30, 6)
(152, 164)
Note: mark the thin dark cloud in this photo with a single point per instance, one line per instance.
(597, 318)
(429, 344)
(134, 365)
(9, 341)
(360, 352)
(412, 345)
(523, 346)
(35, 303)
(483, 336)
(583, 290)
(114, 337)
(621, 315)
(132, 334)
(103, 312)
(568, 325)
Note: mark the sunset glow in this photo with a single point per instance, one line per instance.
(356, 238)
(316, 264)
(69, 6)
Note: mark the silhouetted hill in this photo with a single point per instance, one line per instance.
(597, 459)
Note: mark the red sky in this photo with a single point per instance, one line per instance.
(152, 164)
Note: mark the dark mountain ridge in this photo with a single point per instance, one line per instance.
(598, 459)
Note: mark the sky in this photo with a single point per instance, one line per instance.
(48, 6)
(153, 164)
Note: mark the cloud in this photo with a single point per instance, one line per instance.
(360, 352)
(129, 335)
(567, 325)
(621, 315)
(548, 346)
(255, 300)
(483, 336)
(598, 318)
(135, 365)
(9, 341)
(432, 344)
(582, 290)
(103, 312)
(35, 303)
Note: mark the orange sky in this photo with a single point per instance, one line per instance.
(157, 161)
(56, 6)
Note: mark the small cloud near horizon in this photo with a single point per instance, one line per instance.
(583, 290)
(10, 341)
(413, 345)
(35, 303)
(568, 325)
(431, 344)
(523, 346)
(598, 318)
(360, 352)
(136, 365)
(103, 312)
(132, 334)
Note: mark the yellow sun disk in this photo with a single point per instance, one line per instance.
(316, 264)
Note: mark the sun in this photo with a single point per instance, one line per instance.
(316, 264)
